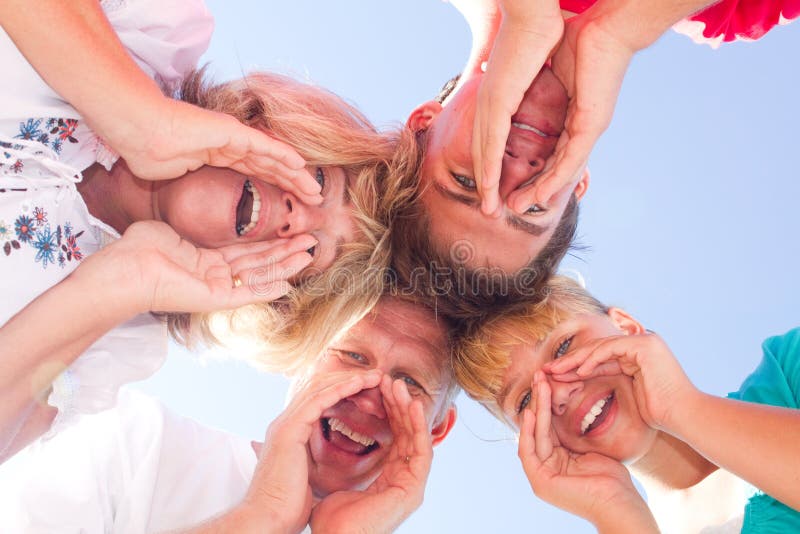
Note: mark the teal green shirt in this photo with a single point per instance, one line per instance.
(776, 381)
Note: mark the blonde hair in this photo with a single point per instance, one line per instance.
(482, 352)
(282, 336)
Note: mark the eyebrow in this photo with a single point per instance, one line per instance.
(513, 221)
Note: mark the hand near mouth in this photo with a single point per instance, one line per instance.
(399, 489)
(660, 386)
(153, 269)
(591, 62)
(280, 496)
(528, 33)
(590, 485)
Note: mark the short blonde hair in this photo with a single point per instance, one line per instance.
(326, 131)
(482, 352)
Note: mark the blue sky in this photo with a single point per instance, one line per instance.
(690, 221)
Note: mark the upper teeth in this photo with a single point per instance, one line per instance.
(592, 414)
(530, 128)
(255, 210)
(342, 428)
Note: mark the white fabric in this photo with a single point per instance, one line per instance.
(42, 149)
(135, 469)
(165, 37)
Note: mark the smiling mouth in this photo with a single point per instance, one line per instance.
(529, 128)
(596, 415)
(342, 436)
(248, 209)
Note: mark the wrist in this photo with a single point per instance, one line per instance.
(679, 418)
(248, 518)
(627, 516)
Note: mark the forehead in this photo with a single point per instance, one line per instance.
(398, 331)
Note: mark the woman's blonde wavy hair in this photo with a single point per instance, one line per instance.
(482, 351)
(284, 335)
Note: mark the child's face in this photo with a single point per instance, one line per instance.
(616, 429)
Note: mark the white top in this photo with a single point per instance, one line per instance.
(45, 227)
(136, 468)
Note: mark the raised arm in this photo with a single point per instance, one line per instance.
(160, 138)
(149, 269)
(729, 433)
(591, 62)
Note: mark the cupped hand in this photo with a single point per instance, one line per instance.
(162, 272)
(591, 63)
(588, 485)
(279, 494)
(659, 383)
(528, 33)
(400, 488)
(180, 137)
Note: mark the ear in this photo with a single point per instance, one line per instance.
(625, 322)
(440, 431)
(582, 185)
(423, 115)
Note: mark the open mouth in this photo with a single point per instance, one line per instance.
(342, 436)
(596, 414)
(529, 128)
(248, 209)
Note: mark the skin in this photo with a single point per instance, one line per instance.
(149, 269)
(624, 435)
(202, 207)
(161, 137)
(504, 239)
(402, 341)
(385, 379)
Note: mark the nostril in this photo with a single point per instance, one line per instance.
(285, 228)
(289, 205)
(534, 163)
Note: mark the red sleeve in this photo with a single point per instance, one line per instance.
(576, 6)
(745, 19)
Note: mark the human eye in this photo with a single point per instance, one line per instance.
(466, 183)
(349, 356)
(524, 402)
(413, 386)
(563, 347)
(320, 177)
(535, 209)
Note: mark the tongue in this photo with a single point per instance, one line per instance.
(346, 444)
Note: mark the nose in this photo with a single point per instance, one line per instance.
(298, 218)
(562, 392)
(369, 401)
(518, 169)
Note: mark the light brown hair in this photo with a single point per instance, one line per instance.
(481, 353)
(326, 131)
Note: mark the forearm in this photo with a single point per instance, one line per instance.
(734, 434)
(93, 72)
(483, 18)
(45, 337)
(639, 24)
(240, 519)
(635, 518)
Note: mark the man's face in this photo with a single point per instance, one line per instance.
(349, 445)
(450, 197)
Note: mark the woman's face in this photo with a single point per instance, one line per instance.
(598, 414)
(214, 207)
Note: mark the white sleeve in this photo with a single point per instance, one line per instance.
(130, 352)
(165, 37)
(132, 470)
